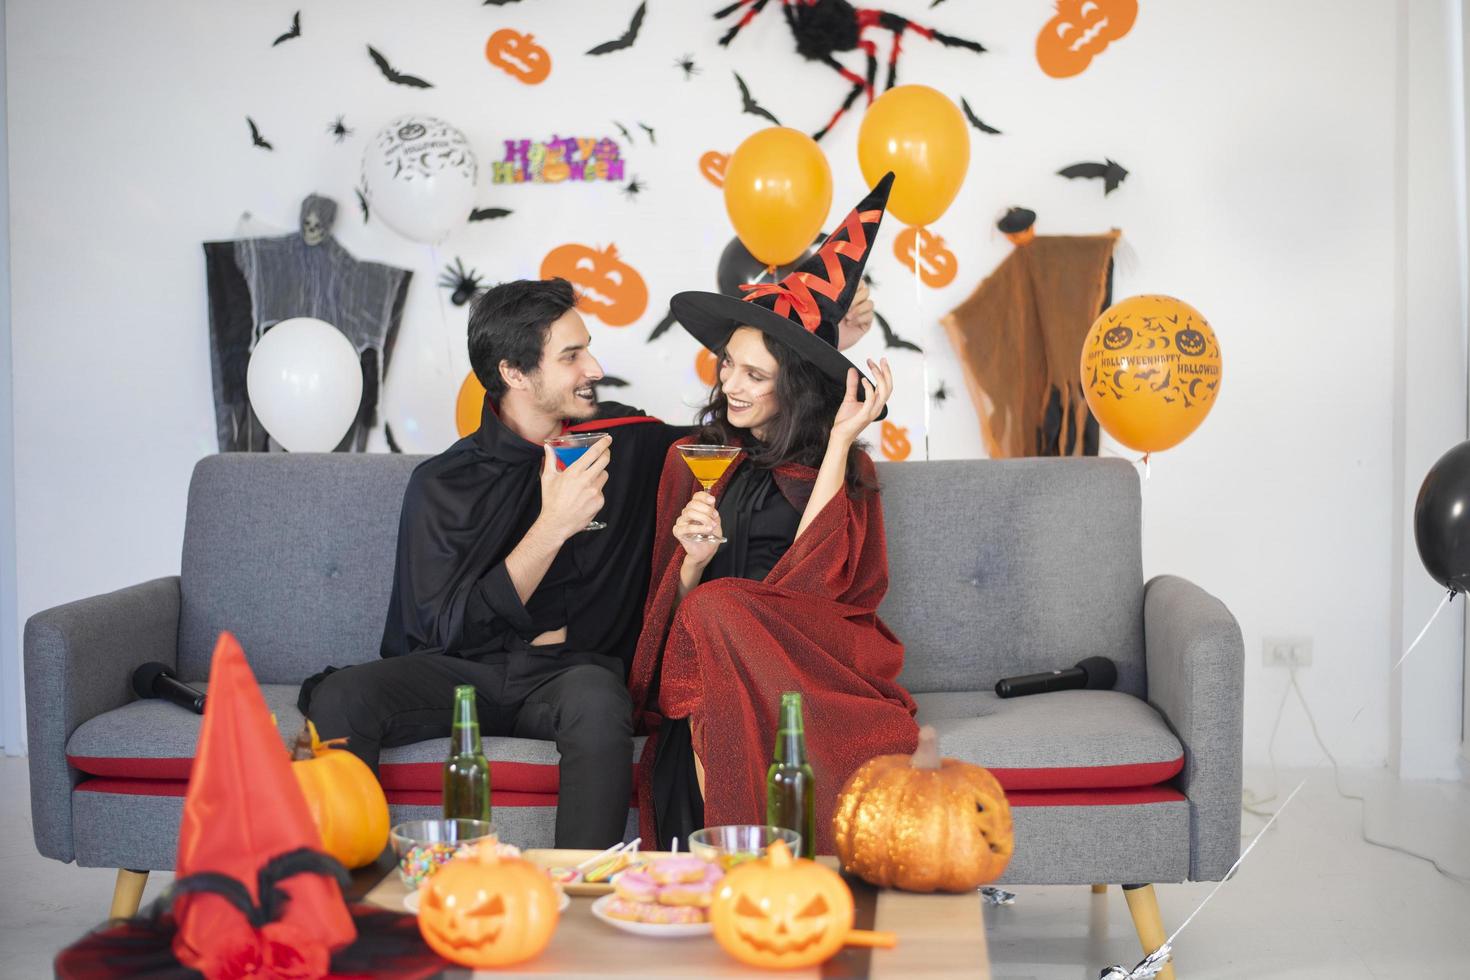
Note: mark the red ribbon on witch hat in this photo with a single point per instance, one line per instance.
(787, 299)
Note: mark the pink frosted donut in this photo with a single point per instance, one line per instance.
(652, 914)
(677, 870)
(692, 893)
(635, 886)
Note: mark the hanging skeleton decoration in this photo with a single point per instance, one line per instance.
(823, 28)
(255, 283)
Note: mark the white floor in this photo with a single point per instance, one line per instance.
(1313, 900)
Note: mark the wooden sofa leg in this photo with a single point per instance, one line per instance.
(1144, 906)
(128, 893)
(1099, 889)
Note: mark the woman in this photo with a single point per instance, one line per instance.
(789, 602)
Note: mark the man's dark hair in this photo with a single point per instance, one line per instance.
(509, 323)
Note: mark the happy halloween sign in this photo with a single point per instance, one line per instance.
(558, 160)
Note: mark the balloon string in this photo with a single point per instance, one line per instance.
(924, 332)
(1448, 598)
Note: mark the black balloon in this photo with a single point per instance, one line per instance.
(738, 267)
(1442, 520)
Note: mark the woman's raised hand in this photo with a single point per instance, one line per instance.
(854, 416)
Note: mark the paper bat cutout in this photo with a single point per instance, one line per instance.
(1111, 172)
(609, 381)
(626, 41)
(891, 339)
(498, 3)
(624, 130)
(975, 120)
(295, 31)
(488, 214)
(394, 75)
(392, 443)
(255, 136)
(649, 130)
(362, 203)
(662, 327)
(747, 104)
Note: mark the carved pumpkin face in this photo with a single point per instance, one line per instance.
(1190, 342)
(781, 912)
(1116, 338)
(895, 443)
(607, 287)
(519, 56)
(956, 824)
(1081, 30)
(937, 265)
(486, 911)
(712, 167)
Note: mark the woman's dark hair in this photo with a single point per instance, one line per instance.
(807, 401)
(509, 323)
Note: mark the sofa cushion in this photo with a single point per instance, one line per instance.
(155, 740)
(1064, 740)
(1012, 567)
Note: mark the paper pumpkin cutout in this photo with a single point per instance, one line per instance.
(518, 55)
(712, 167)
(469, 405)
(937, 264)
(1080, 31)
(607, 287)
(707, 366)
(894, 443)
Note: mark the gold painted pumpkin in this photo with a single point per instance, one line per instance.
(486, 911)
(923, 824)
(607, 287)
(780, 912)
(346, 802)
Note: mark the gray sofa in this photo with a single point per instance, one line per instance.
(996, 568)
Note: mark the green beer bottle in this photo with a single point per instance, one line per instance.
(467, 773)
(791, 789)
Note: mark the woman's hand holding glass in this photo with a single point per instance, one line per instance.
(699, 517)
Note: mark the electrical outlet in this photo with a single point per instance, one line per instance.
(1286, 651)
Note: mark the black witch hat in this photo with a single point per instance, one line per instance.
(803, 309)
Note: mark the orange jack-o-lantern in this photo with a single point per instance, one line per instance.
(712, 167)
(607, 287)
(707, 366)
(518, 55)
(894, 443)
(937, 265)
(486, 911)
(922, 823)
(1081, 30)
(781, 912)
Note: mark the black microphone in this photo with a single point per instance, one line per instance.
(156, 680)
(1094, 673)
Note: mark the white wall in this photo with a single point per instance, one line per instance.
(12, 726)
(1262, 190)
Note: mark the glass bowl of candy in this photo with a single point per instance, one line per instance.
(733, 844)
(423, 846)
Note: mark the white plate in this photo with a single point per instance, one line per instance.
(411, 902)
(671, 931)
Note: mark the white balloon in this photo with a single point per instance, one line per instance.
(418, 175)
(305, 384)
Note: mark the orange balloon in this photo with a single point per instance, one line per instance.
(919, 134)
(778, 190)
(469, 406)
(1151, 371)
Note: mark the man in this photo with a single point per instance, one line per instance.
(497, 585)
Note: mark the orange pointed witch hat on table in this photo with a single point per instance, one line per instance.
(255, 893)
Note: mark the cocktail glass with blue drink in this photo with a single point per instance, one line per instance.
(568, 449)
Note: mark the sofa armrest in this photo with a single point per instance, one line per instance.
(79, 661)
(1196, 679)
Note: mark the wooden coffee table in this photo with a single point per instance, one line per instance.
(938, 936)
